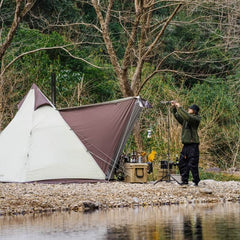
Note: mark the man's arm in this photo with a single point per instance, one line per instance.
(185, 115)
(175, 113)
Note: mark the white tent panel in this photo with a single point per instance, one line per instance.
(14, 142)
(56, 152)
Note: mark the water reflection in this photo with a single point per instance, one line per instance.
(182, 222)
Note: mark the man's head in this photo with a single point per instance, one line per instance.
(194, 109)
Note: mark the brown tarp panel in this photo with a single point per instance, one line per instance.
(100, 127)
(40, 99)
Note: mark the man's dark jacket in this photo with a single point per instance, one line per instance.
(190, 123)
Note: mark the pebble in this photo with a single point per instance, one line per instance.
(29, 198)
(206, 190)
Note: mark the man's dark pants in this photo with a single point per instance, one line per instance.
(188, 161)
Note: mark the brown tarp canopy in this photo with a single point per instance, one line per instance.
(104, 128)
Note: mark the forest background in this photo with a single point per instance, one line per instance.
(103, 50)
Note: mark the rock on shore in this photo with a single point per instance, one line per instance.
(31, 198)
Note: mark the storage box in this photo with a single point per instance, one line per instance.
(135, 172)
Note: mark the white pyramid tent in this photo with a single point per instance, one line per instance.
(40, 144)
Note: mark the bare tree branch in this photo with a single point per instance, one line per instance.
(162, 30)
(136, 77)
(153, 73)
(12, 30)
(18, 15)
(111, 52)
(75, 24)
(108, 13)
(49, 48)
(1, 3)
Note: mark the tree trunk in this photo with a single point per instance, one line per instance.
(1, 102)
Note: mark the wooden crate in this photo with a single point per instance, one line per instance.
(135, 172)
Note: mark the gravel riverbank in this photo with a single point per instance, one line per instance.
(36, 198)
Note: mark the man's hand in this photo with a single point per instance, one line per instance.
(175, 104)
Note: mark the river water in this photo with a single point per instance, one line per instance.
(180, 222)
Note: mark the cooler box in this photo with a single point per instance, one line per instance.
(135, 172)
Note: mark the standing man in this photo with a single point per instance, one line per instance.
(189, 158)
